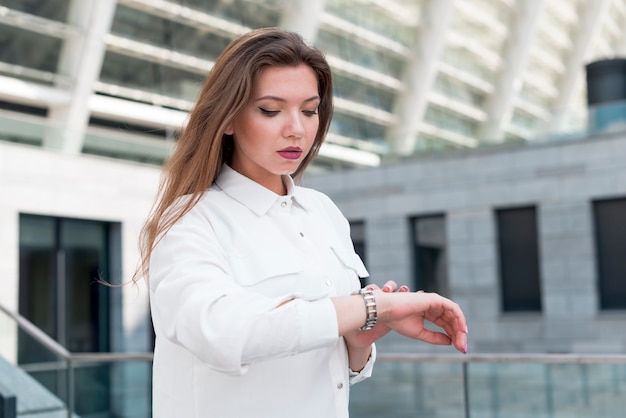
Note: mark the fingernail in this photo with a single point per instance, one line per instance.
(404, 288)
(386, 288)
(465, 348)
(466, 329)
(370, 287)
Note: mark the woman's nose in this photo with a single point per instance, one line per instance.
(295, 127)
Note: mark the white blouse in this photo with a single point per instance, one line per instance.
(223, 348)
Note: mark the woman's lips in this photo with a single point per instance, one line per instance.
(290, 153)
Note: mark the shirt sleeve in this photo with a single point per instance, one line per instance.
(366, 372)
(196, 304)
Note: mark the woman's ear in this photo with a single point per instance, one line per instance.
(229, 129)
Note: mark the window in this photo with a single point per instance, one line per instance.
(610, 235)
(429, 254)
(357, 233)
(519, 259)
(60, 261)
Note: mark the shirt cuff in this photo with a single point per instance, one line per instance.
(356, 377)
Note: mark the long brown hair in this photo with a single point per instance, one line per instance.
(203, 147)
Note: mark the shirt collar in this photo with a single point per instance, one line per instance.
(251, 194)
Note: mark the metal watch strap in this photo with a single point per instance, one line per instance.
(370, 308)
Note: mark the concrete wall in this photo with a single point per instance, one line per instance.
(36, 181)
(561, 179)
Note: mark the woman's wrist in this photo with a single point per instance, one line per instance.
(383, 305)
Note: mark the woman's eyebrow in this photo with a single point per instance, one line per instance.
(280, 99)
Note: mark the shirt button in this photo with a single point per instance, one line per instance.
(339, 385)
(283, 205)
(301, 234)
(328, 283)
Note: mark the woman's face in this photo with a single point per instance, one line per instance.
(275, 130)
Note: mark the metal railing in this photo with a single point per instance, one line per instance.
(431, 385)
(493, 385)
(70, 361)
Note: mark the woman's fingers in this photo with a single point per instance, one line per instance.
(390, 286)
(448, 315)
(435, 337)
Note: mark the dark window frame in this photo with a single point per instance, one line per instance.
(428, 254)
(519, 256)
(609, 242)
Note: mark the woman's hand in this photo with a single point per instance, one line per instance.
(406, 312)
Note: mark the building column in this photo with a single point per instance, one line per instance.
(590, 23)
(420, 73)
(303, 16)
(81, 60)
(499, 107)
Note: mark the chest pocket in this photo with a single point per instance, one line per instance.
(273, 274)
(250, 269)
(354, 268)
(351, 260)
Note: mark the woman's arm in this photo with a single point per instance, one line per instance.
(403, 312)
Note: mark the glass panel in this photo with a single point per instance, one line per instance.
(29, 49)
(131, 389)
(362, 93)
(49, 370)
(359, 54)
(407, 390)
(459, 91)
(450, 121)
(250, 13)
(353, 127)
(608, 117)
(164, 33)
(547, 390)
(49, 9)
(83, 245)
(375, 20)
(149, 76)
(38, 266)
(404, 389)
(463, 60)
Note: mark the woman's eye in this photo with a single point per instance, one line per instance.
(310, 112)
(268, 112)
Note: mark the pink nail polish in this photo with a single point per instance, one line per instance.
(404, 288)
(465, 348)
(386, 288)
(466, 329)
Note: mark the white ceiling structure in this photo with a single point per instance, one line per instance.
(410, 75)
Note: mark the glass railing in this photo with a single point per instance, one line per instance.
(403, 385)
(46, 378)
(490, 386)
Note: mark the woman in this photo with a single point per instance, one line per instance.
(254, 282)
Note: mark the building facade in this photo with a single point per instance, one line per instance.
(529, 240)
(117, 77)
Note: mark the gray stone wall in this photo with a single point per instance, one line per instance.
(561, 179)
